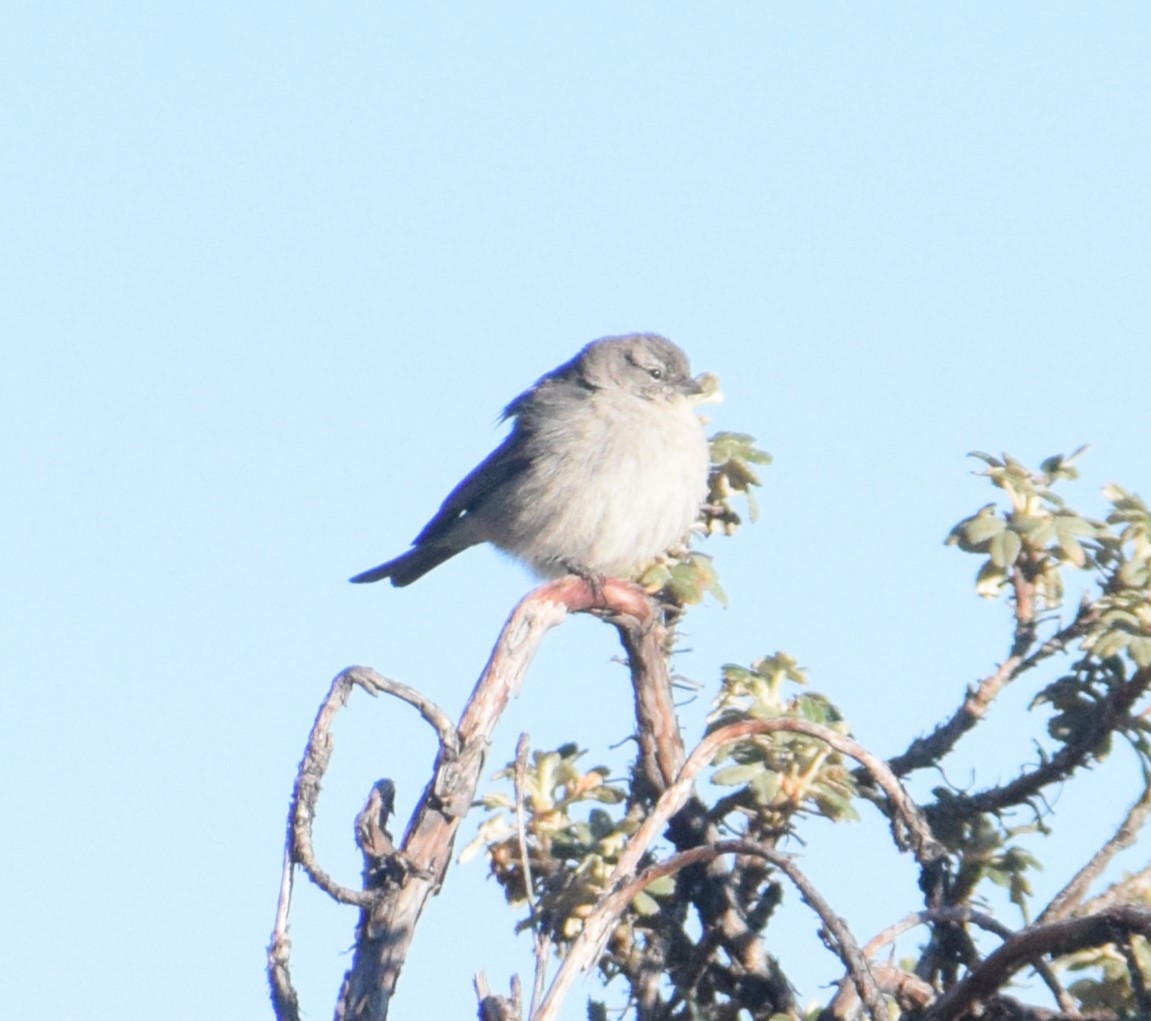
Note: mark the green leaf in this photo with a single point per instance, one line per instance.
(987, 458)
(990, 580)
(1036, 529)
(1004, 548)
(765, 787)
(733, 776)
(983, 527)
(739, 446)
(644, 905)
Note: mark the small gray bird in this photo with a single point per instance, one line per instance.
(605, 467)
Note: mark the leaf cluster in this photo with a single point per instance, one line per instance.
(1037, 531)
(1028, 542)
(784, 775)
(685, 576)
(572, 840)
(1114, 980)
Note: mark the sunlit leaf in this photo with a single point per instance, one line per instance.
(1004, 548)
(733, 776)
(990, 580)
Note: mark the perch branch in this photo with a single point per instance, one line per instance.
(661, 750)
(387, 924)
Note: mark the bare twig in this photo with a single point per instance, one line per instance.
(1065, 761)
(372, 834)
(285, 1001)
(1068, 899)
(841, 941)
(927, 751)
(519, 776)
(298, 847)
(498, 1008)
(540, 935)
(376, 683)
(317, 756)
(1132, 889)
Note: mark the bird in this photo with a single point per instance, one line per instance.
(605, 467)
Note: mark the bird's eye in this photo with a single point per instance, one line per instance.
(655, 373)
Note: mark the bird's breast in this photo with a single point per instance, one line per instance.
(608, 486)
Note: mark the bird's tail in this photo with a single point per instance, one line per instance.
(410, 566)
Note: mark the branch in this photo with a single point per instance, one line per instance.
(498, 1008)
(298, 847)
(541, 938)
(840, 1006)
(661, 750)
(924, 752)
(1070, 757)
(1133, 888)
(840, 940)
(387, 925)
(285, 1001)
(313, 766)
(908, 825)
(1135, 975)
(744, 969)
(1056, 939)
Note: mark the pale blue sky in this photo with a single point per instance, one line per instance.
(269, 272)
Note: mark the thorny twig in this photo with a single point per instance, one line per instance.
(926, 752)
(1065, 761)
(1068, 899)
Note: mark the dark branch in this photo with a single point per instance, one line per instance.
(926, 752)
(1027, 946)
(1111, 716)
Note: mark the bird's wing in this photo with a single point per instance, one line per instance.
(501, 465)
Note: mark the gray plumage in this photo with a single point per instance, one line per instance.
(605, 467)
